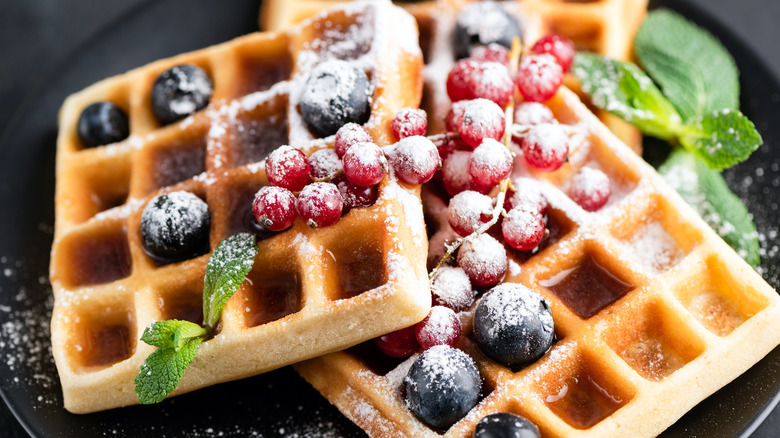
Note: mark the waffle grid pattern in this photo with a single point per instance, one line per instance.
(310, 292)
(653, 313)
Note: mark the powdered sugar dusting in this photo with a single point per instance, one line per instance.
(653, 248)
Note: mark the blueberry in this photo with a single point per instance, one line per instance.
(102, 123)
(482, 23)
(335, 94)
(505, 425)
(175, 227)
(442, 386)
(179, 92)
(513, 325)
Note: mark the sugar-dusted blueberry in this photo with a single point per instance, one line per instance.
(102, 123)
(505, 425)
(179, 92)
(442, 386)
(336, 93)
(175, 227)
(483, 23)
(513, 325)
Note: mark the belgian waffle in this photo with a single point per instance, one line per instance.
(653, 311)
(606, 27)
(311, 291)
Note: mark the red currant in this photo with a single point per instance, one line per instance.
(415, 160)
(455, 115)
(355, 196)
(560, 47)
(440, 327)
(539, 77)
(491, 53)
(288, 167)
(348, 135)
(484, 260)
(523, 229)
(455, 174)
(468, 210)
(400, 343)
(532, 113)
(364, 164)
(409, 122)
(274, 208)
(452, 288)
(546, 147)
(481, 119)
(320, 204)
(528, 196)
(470, 79)
(590, 189)
(325, 163)
(490, 163)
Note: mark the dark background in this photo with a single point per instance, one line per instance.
(38, 36)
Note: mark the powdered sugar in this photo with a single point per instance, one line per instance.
(484, 260)
(653, 248)
(451, 287)
(468, 210)
(325, 163)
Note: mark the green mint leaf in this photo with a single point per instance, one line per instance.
(706, 191)
(621, 88)
(171, 334)
(162, 371)
(225, 271)
(694, 70)
(722, 138)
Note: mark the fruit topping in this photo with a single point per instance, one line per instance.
(590, 189)
(513, 325)
(505, 425)
(180, 91)
(335, 93)
(455, 174)
(490, 163)
(364, 164)
(175, 227)
(528, 196)
(546, 147)
(442, 386)
(409, 122)
(288, 167)
(452, 288)
(348, 135)
(483, 23)
(319, 204)
(484, 260)
(400, 343)
(523, 229)
(560, 47)
(102, 123)
(468, 210)
(274, 208)
(532, 113)
(471, 79)
(415, 159)
(539, 77)
(481, 119)
(440, 327)
(325, 164)
(491, 53)
(354, 196)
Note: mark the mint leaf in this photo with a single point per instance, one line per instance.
(694, 70)
(178, 342)
(706, 191)
(722, 138)
(621, 88)
(225, 271)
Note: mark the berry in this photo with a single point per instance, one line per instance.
(560, 47)
(455, 174)
(274, 208)
(335, 93)
(455, 115)
(491, 53)
(102, 123)
(470, 79)
(175, 227)
(440, 327)
(528, 196)
(442, 386)
(532, 113)
(505, 425)
(481, 119)
(364, 164)
(484, 260)
(288, 167)
(539, 77)
(513, 325)
(409, 122)
(325, 163)
(353, 196)
(180, 91)
(320, 204)
(468, 210)
(348, 135)
(400, 343)
(483, 23)
(523, 229)
(490, 163)
(590, 189)
(415, 159)
(546, 147)
(452, 288)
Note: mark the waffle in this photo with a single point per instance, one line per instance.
(653, 311)
(606, 27)
(311, 291)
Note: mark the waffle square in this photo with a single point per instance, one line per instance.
(653, 311)
(311, 291)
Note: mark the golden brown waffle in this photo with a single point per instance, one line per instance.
(653, 311)
(606, 27)
(311, 291)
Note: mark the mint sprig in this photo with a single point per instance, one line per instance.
(722, 138)
(178, 341)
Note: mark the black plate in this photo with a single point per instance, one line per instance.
(277, 403)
